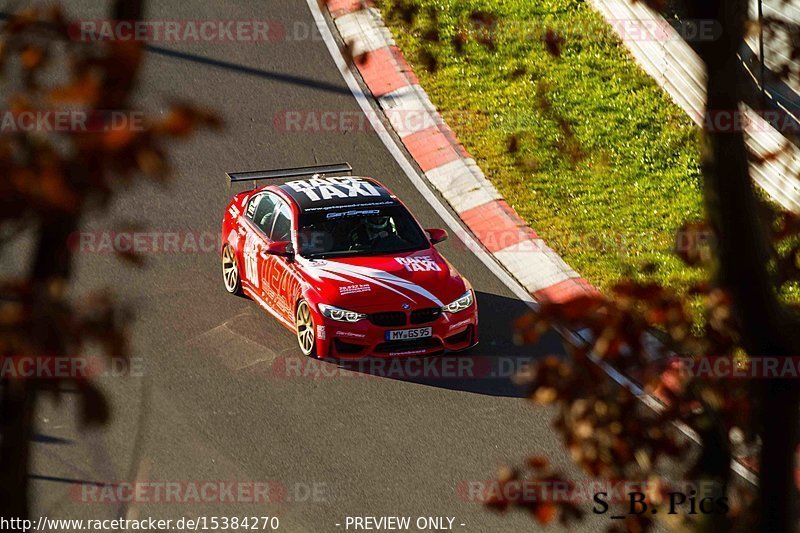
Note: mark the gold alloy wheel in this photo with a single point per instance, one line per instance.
(306, 337)
(230, 271)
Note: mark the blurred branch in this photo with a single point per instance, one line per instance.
(53, 189)
(767, 328)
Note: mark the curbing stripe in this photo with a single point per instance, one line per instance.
(535, 265)
(566, 290)
(497, 225)
(459, 182)
(385, 70)
(343, 7)
(409, 110)
(364, 31)
(431, 148)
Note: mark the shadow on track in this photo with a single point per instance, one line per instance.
(488, 368)
(265, 74)
(71, 481)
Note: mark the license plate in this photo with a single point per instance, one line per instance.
(408, 334)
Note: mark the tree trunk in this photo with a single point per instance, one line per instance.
(51, 264)
(17, 411)
(16, 417)
(743, 258)
(777, 488)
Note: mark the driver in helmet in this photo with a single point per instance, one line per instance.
(376, 232)
(379, 227)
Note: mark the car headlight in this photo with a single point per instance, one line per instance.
(340, 315)
(464, 302)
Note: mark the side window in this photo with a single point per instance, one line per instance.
(263, 211)
(251, 207)
(282, 230)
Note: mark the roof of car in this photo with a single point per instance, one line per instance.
(320, 193)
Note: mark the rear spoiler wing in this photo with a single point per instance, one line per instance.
(259, 175)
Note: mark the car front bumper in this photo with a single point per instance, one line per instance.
(450, 332)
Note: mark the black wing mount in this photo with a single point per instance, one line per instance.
(278, 173)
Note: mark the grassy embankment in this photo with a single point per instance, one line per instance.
(584, 145)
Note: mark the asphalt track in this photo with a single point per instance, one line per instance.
(213, 402)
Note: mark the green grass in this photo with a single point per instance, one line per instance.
(606, 167)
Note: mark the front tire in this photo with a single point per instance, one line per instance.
(306, 333)
(230, 271)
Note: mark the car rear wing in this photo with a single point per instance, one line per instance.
(259, 175)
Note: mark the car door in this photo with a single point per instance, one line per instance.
(259, 218)
(279, 271)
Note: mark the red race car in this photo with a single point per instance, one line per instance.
(340, 261)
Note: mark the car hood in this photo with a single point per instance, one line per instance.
(386, 282)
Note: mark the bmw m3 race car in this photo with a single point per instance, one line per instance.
(340, 261)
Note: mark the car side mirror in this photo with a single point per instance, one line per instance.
(281, 249)
(436, 235)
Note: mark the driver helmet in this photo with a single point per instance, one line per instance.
(378, 226)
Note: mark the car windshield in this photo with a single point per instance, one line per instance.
(371, 231)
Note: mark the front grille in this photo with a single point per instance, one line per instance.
(388, 319)
(423, 316)
(403, 346)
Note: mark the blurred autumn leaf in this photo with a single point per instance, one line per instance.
(50, 177)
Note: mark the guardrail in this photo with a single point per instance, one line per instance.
(672, 63)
